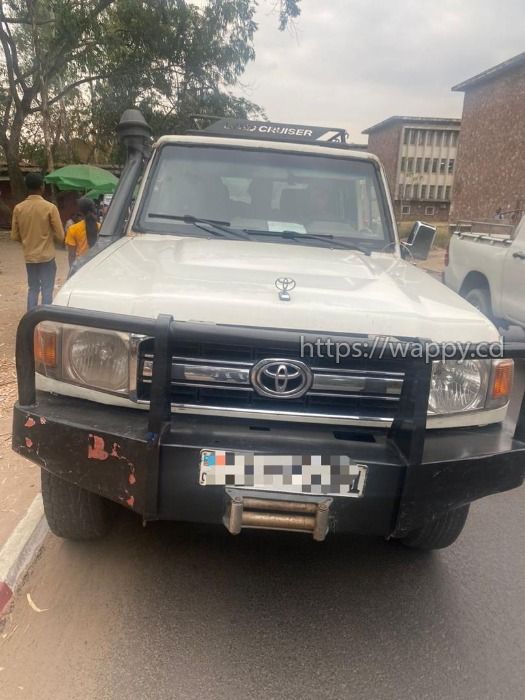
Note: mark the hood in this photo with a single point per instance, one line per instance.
(233, 282)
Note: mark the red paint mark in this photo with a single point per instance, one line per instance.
(96, 449)
(5, 596)
(29, 443)
(29, 422)
(43, 421)
(131, 479)
(131, 501)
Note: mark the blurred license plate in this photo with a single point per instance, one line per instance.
(316, 474)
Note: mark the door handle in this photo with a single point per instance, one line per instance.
(520, 254)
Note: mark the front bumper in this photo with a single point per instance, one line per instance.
(108, 451)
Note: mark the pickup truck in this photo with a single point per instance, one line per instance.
(488, 269)
(249, 344)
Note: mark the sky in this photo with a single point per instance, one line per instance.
(353, 63)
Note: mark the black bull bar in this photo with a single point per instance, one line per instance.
(406, 435)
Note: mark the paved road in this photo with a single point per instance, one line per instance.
(177, 611)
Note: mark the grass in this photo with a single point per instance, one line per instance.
(442, 236)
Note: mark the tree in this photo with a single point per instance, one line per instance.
(168, 55)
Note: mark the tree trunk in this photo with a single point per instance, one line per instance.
(16, 177)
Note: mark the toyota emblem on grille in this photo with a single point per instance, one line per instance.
(284, 379)
(285, 286)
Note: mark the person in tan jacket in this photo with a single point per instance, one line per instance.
(36, 224)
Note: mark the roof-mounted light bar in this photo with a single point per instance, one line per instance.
(273, 131)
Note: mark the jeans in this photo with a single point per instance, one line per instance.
(40, 278)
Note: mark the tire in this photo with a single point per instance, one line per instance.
(480, 298)
(440, 532)
(74, 513)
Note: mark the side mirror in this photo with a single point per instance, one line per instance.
(420, 241)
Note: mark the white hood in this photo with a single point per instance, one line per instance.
(233, 282)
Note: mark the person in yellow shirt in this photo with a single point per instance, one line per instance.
(82, 236)
(36, 224)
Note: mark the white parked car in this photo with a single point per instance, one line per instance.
(247, 345)
(488, 269)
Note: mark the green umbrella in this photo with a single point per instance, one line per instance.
(83, 177)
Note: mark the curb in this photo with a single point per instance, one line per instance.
(21, 549)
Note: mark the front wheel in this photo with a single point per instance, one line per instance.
(440, 532)
(72, 512)
(480, 299)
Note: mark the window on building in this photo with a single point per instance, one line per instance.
(443, 165)
(413, 136)
(426, 166)
(435, 162)
(454, 138)
(430, 137)
(430, 211)
(408, 192)
(446, 138)
(406, 136)
(400, 190)
(415, 192)
(440, 192)
(405, 209)
(423, 191)
(403, 164)
(421, 137)
(410, 165)
(419, 163)
(451, 165)
(432, 192)
(447, 192)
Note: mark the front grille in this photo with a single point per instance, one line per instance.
(215, 378)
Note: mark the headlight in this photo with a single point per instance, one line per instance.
(469, 385)
(87, 357)
(97, 359)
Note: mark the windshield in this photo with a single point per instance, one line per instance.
(254, 191)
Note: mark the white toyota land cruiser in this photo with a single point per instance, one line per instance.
(248, 344)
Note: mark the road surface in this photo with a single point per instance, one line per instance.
(177, 611)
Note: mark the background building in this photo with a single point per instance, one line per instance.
(419, 155)
(491, 160)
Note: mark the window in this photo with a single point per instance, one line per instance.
(439, 137)
(426, 166)
(430, 137)
(443, 165)
(405, 209)
(400, 191)
(406, 136)
(451, 165)
(408, 192)
(403, 164)
(421, 137)
(432, 192)
(430, 211)
(410, 165)
(447, 192)
(415, 192)
(413, 136)
(440, 192)
(423, 191)
(419, 163)
(454, 138)
(272, 190)
(446, 138)
(434, 165)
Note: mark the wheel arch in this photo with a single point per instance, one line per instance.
(475, 280)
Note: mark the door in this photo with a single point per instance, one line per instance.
(513, 284)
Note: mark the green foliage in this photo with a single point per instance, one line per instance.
(70, 67)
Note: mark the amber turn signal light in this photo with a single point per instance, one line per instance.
(502, 376)
(45, 347)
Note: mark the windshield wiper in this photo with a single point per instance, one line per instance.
(323, 237)
(219, 228)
